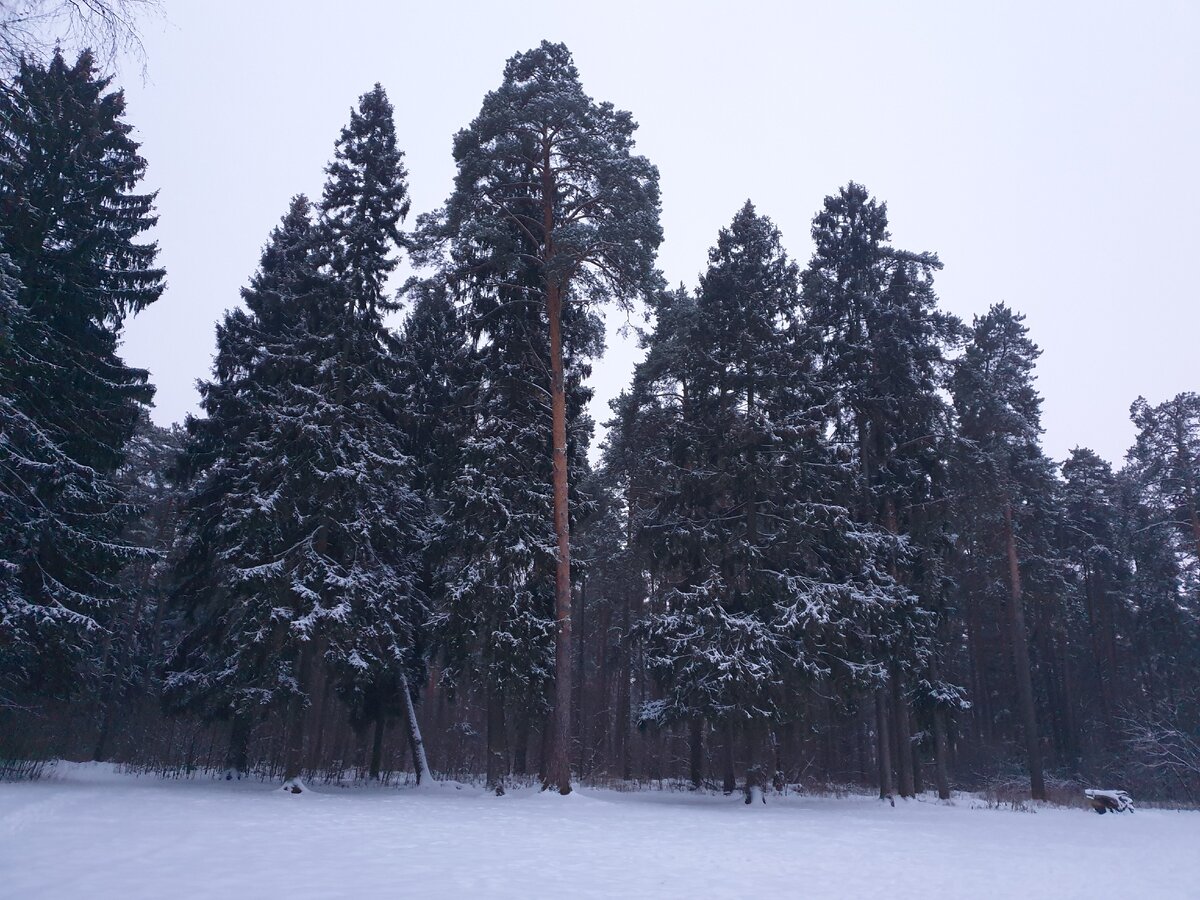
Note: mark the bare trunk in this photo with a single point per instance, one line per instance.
(578, 735)
(420, 763)
(754, 769)
(521, 751)
(1020, 645)
(730, 781)
(940, 768)
(237, 756)
(624, 698)
(883, 745)
(497, 752)
(556, 765)
(377, 744)
(696, 752)
(904, 758)
(293, 754)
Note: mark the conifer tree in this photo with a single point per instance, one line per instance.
(303, 528)
(70, 223)
(767, 585)
(1010, 483)
(550, 197)
(365, 201)
(1167, 460)
(883, 343)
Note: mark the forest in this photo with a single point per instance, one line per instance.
(819, 545)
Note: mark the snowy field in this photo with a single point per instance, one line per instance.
(87, 832)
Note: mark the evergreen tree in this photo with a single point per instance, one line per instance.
(1092, 542)
(549, 197)
(882, 346)
(766, 583)
(304, 531)
(366, 200)
(495, 542)
(70, 223)
(1011, 487)
(1167, 460)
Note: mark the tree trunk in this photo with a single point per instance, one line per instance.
(730, 782)
(624, 699)
(1020, 645)
(557, 767)
(940, 769)
(420, 763)
(497, 751)
(696, 752)
(754, 770)
(904, 759)
(237, 756)
(578, 735)
(377, 744)
(520, 756)
(293, 754)
(883, 745)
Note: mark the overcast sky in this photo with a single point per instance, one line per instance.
(1048, 152)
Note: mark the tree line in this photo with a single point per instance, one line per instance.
(822, 543)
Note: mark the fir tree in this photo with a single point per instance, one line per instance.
(303, 528)
(766, 583)
(70, 223)
(366, 200)
(883, 343)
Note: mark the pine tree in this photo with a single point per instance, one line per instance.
(1092, 541)
(1167, 459)
(550, 197)
(69, 227)
(1010, 483)
(495, 542)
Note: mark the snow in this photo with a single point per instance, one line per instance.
(89, 832)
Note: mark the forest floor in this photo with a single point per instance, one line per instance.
(86, 831)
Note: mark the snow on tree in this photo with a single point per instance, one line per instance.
(882, 349)
(1011, 488)
(765, 581)
(303, 530)
(550, 197)
(1167, 460)
(68, 403)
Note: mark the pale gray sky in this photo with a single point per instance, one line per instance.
(1048, 152)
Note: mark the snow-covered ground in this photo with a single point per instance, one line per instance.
(88, 832)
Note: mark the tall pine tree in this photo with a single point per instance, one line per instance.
(550, 198)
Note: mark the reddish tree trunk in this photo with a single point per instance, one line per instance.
(1020, 647)
(558, 766)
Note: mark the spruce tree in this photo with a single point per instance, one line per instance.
(765, 582)
(70, 227)
(365, 201)
(883, 345)
(303, 528)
